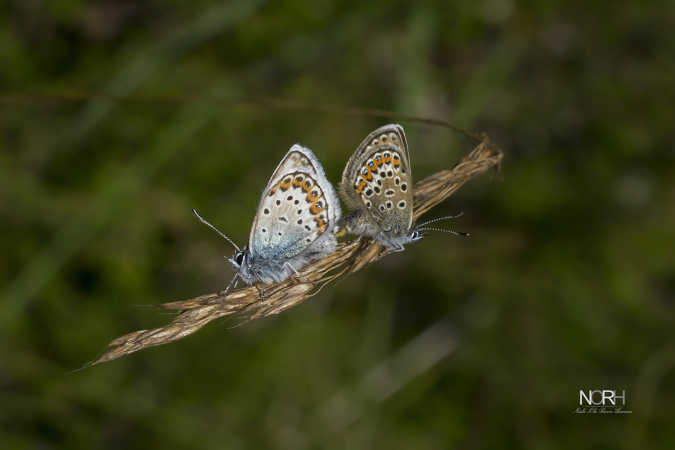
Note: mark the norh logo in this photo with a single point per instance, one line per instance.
(602, 401)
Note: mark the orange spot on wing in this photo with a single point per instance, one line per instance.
(311, 198)
(315, 209)
(321, 224)
(285, 185)
(387, 158)
(361, 187)
(397, 162)
(378, 161)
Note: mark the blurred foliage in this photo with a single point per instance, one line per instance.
(568, 282)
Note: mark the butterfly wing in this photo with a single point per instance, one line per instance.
(378, 179)
(298, 206)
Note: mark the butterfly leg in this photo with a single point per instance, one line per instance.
(398, 248)
(298, 275)
(261, 291)
(232, 284)
(392, 247)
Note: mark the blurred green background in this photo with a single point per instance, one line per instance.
(568, 282)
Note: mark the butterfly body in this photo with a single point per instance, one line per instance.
(274, 268)
(377, 184)
(360, 224)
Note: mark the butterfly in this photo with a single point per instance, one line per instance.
(377, 184)
(295, 223)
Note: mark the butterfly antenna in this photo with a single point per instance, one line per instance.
(223, 235)
(438, 219)
(442, 230)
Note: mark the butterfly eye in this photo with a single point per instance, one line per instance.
(239, 258)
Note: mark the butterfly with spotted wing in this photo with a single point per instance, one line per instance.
(295, 223)
(377, 184)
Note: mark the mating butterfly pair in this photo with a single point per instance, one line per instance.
(299, 211)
